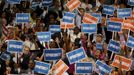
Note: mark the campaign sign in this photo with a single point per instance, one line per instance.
(22, 17)
(47, 3)
(124, 12)
(83, 68)
(14, 1)
(125, 62)
(97, 15)
(89, 28)
(89, 19)
(109, 10)
(68, 17)
(131, 2)
(5, 56)
(76, 55)
(99, 46)
(73, 4)
(54, 28)
(34, 5)
(44, 36)
(15, 46)
(52, 54)
(114, 26)
(114, 46)
(130, 42)
(59, 68)
(103, 67)
(42, 67)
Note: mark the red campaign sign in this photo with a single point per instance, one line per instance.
(59, 68)
(66, 25)
(73, 4)
(127, 24)
(89, 19)
(114, 19)
(125, 62)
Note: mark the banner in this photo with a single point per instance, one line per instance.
(124, 12)
(108, 10)
(114, 26)
(114, 46)
(83, 68)
(99, 46)
(131, 2)
(44, 36)
(73, 4)
(47, 3)
(103, 67)
(52, 54)
(125, 62)
(22, 17)
(42, 67)
(89, 28)
(89, 19)
(130, 42)
(14, 1)
(59, 68)
(76, 55)
(97, 15)
(54, 28)
(15, 46)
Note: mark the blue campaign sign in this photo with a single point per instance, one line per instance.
(22, 17)
(14, 1)
(99, 46)
(103, 67)
(89, 28)
(124, 12)
(34, 5)
(131, 2)
(44, 36)
(42, 67)
(52, 54)
(15, 46)
(47, 3)
(54, 28)
(76, 55)
(68, 17)
(83, 68)
(108, 9)
(130, 42)
(97, 15)
(114, 46)
(5, 56)
(114, 26)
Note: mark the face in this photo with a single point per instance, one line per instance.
(31, 64)
(26, 50)
(98, 39)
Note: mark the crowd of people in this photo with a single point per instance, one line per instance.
(41, 18)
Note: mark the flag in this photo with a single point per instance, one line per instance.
(73, 4)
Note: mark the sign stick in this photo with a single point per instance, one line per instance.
(111, 56)
(106, 19)
(48, 45)
(128, 32)
(113, 35)
(131, 52)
